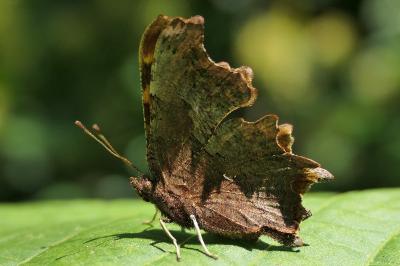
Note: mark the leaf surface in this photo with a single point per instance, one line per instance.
(354, 228)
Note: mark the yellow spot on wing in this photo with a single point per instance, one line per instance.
(147, 58)
(146, 94)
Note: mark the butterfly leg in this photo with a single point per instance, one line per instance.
(196, 226)
(150, 223)
(178, 251)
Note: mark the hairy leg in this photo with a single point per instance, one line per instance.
(150, 223)
(164, 227)
(197, 228)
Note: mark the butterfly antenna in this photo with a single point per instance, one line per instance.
(102, 140)
(100, 135)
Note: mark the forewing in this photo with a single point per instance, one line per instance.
(185, 94)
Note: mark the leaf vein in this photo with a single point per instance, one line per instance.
(65, 239)
(381, 247)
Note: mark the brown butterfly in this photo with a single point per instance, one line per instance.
(227, 176)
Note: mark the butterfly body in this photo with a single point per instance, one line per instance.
(168, 202)
(177, 207)
(239, 179)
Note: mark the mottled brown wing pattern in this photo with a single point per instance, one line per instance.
(185, 94)
(268, 180)
(240, 178)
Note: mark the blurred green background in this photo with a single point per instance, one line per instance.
(332, 68)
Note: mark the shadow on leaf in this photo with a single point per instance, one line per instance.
(184, 238)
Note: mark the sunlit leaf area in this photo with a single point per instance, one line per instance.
(98, 232)
(331, 68)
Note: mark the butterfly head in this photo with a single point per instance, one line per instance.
(144, 187)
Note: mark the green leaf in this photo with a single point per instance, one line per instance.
(354, 228)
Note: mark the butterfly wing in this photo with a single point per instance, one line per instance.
(185, 94)
(256, 181)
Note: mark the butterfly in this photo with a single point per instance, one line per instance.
(225, 175)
